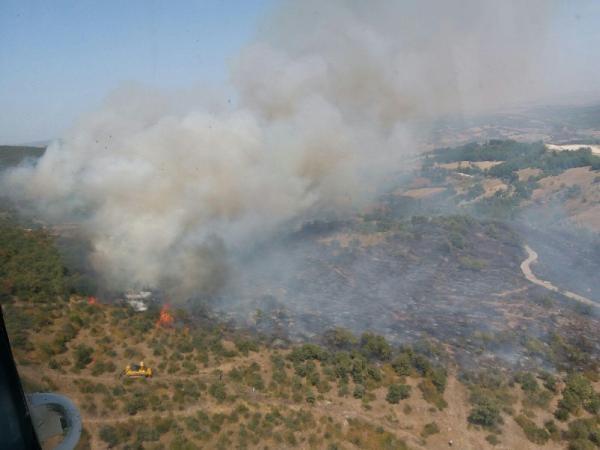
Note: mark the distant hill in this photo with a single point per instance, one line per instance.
(13, 155)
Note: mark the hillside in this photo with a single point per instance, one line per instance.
(218, 387)
(13, 155)
(408, 325)
(213, 387)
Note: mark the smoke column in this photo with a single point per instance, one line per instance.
(330, 98)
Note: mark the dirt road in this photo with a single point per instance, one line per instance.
(532, 257)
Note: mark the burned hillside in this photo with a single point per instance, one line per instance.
(452, 278)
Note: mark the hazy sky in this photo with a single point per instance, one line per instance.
(60, 58)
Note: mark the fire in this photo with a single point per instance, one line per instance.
(165, 319)
(92, 300)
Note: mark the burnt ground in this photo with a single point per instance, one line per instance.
(568, 257)
(450, 278)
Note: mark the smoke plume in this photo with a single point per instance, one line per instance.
(331, 97)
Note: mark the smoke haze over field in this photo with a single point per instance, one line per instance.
(331, 98)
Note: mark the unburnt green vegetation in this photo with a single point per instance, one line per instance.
(30, 265)
(517, 155)
(509, 157)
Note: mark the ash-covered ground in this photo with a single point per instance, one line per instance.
(568, 257)
(451, 278)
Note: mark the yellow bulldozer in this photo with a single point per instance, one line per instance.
(137, 371)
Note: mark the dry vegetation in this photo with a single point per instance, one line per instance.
(214, 388)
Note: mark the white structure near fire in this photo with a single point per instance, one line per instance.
(138, 300)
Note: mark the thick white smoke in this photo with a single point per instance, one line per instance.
(329, 98)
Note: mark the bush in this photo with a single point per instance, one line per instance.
(310, 397)
(553, 430)
(306, 352)
(359, 391)
(402, 364)
(110, 435)
(429, 429)
(83, 356)
(375, 346)
(584, 433)
(146, 433)
(466, 262)
(137, 403)
(340, 338)
(218, 391)
(343, 390)
(561, 414)
(431, 394)
(492, 439)
(486, 414)
(581, 444)
(439, 378)
(527, 381)
(578, 392)
(550, 382)
(534, 433)
(397, 392)
(246, 345)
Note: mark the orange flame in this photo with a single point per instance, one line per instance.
(165, 319)
(92, 300)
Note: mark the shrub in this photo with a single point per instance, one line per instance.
(147, 433)
(485, 413)
(439, 378)
(402, 364)
(554, 431)
(53, 364)
(83, 356)
(340, 338)
(359, 391)
(431, 394)
(218, 391)
(429, 429)
(549, 380)
(375, 346)
(466, 262)
(306, 352)
(397, 392)
(310, 397)
(561, 414)
(492, 439)
(527, 381)
(584, 430)
(343, 390)
(110, 435)
(246, 345)
(578, 393)
(534, 433)
(137, 403)
(581, 444)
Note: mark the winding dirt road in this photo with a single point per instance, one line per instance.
(532, 257)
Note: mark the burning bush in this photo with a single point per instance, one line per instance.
(165, 318)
